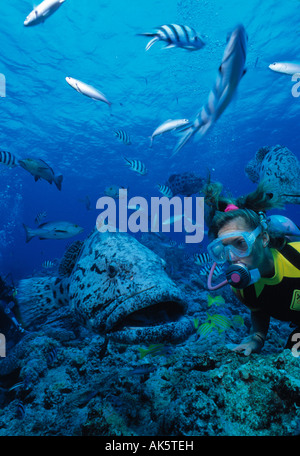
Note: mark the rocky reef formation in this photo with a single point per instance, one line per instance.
(81, 387)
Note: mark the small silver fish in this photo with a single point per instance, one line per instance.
(42, 12)
(167, 126)
(175, 35)
(137, 166)
(285, 67)
(87, 90)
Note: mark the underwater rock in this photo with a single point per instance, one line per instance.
(200, 389)
(118, 287)
(185, 184)
(278, 166)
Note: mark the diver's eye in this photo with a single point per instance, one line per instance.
(240, 244)
(112, 270)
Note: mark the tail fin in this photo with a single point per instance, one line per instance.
(190, 131)
(30, 232)
(58, 180)
(199, 128)
(40, 296)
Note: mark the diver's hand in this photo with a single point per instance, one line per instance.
(252, 345)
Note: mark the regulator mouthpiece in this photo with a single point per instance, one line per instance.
(239, 276)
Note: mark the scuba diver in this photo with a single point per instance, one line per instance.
(7, 302)
(263, 258)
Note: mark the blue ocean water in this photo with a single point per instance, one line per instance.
(97, 42)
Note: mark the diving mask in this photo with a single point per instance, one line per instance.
(238, 243)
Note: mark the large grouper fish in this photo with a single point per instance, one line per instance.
(117, 287)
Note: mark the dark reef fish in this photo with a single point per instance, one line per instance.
(41, 170)
(118, 287)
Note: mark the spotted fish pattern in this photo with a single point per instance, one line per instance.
(279, 167)
(118, 287)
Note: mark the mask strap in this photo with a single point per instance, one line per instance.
(263, 220)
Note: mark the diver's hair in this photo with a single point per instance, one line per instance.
(260, 200)
(213, 198)
(251, 218)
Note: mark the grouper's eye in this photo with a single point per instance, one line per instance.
(112, 270)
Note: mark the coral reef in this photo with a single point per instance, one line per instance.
(89, 391)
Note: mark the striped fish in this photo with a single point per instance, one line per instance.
(231, 71)
(206, 270)
(202, 258)
(123, 136)
(48, 264)
(7, 159)
(175, 36)
(165, 190)
(205, 329)
(137, 166)
(52, 355)
(220, 321)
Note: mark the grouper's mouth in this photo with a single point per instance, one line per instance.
(148, 320)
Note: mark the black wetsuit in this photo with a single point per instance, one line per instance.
(278, 296)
